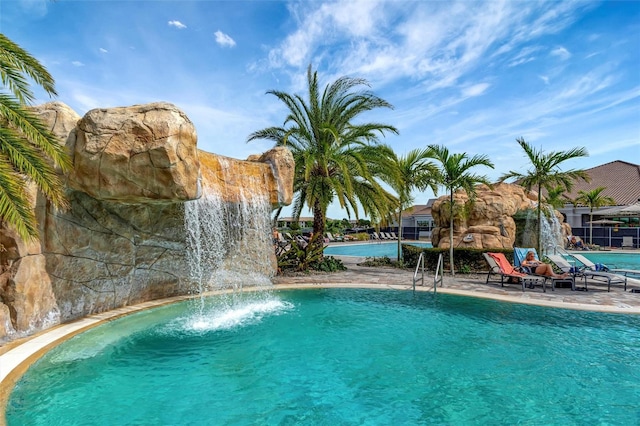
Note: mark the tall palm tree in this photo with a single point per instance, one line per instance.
(545, 171)
(454, 173)
(335, 157)
(408, 173)
(593, 199)
(27, 148)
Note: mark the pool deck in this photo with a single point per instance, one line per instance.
(17, 356)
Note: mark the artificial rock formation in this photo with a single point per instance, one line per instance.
(124, 239)
(489, 221)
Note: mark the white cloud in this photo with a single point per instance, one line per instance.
(544, 78)
(77, 64)
(179, 25)
(475, 90)
(224, 40)
(561, 52)
(103, 50)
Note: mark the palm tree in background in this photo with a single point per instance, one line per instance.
(408, 173)
(545, 171)
(29, 152)
(555, 197)
(335, 157)
(593, 199)
(454, 173)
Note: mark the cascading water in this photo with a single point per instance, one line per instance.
(550, 230)
(229, 242)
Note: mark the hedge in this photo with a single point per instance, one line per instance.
(464, 258)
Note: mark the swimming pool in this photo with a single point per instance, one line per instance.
(614, 260)
(341, 356)
(388, 249)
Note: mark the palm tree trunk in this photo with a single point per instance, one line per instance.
(399, 235)
(451, 233)
(540, 220)
(318, 224)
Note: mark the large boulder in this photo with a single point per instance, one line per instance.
(488, 222)
(127, 235)
(138, 154)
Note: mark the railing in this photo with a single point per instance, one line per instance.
(415, 274)
(437, 277)
(439, 269)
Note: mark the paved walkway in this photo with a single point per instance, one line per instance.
(596, 299)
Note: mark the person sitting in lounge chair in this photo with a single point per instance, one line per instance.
(576, 243)
(540, 268)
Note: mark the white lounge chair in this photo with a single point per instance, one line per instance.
(592, 266)
(627, 242)
(587, 274)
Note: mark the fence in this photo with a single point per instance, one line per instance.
(609, 236)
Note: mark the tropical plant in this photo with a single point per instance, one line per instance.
(555, 197)
(593, 199)
(545, 172)
(29, 152)
(410, 172)
(453, 174)
(335, 157)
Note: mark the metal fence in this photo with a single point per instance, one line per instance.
(609, 236)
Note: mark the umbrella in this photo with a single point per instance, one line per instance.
(605, 222)
(630, 210)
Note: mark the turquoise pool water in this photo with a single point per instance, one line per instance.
(388, 249)
(341, 357)
(615, 260)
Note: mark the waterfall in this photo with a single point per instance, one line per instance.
(229, 242)
(550, 230)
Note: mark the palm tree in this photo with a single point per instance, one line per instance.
(454, 173)
(545, 172)
(410, 172)
(593, 199)
(555, 197)
(335, 157)
(27, 148)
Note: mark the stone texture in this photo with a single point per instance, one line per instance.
(488, 224)
(124, 238)
(137, 154)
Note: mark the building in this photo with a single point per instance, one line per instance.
(621, 181)
(417, 222)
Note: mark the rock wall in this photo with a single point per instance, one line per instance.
(489, 221)
(123, 239)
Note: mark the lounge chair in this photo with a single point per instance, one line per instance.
(499, 265)
(374, 236)
(586, 273)
(388, 236)
(331, 238)
(593, 267)
(393, 235)
(627, 242)
(520, 253)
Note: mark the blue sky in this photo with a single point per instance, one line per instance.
(470, 75)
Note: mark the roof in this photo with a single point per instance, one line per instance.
(419, 210)
(620, 179)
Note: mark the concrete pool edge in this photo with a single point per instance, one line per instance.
(17, 360)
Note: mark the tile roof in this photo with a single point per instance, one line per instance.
(418, 210)
(621, 180)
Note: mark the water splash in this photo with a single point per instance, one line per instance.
(235, 316)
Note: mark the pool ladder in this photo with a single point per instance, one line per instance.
(437, 278)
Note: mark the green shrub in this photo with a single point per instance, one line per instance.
(466, 260)
(329, 264)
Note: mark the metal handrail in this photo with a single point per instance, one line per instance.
(439, 269)
(415, 274)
